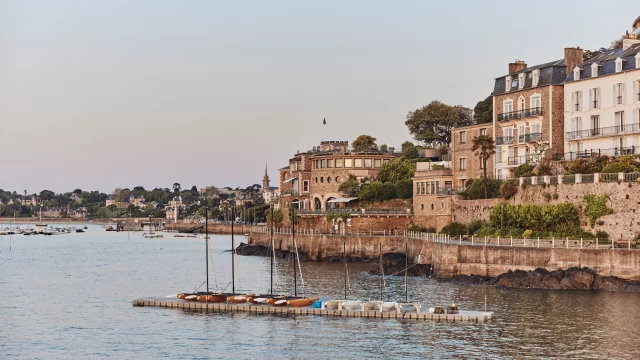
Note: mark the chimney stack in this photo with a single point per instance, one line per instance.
(516, 66)
(572, 57)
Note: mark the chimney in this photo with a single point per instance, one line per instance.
(572, 57)
(516, 66)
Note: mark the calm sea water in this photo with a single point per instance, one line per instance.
(69, 297)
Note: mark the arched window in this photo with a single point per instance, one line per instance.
(433, 207)
(337, 179)
(316, 180)
(328, 180)
(321, 179)
(421, 206)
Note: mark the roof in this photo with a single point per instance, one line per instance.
(551, 73)
(342, 200)
(480, 125)
(607, 63)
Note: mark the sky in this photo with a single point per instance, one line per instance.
(104, 94)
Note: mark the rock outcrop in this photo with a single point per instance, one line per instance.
(571, 279)
(260, 250)
(394, 264)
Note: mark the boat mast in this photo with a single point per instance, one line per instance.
(381, 273)
(344, 255)
(295, 249)
(406, 268)
(206, 231)
(272, 247)
(233, 268)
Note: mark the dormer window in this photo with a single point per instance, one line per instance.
(520, 81)
(594, 70)
(576, 73)
(508, 83)
(535, 77)
(638, 60)
(619, 65)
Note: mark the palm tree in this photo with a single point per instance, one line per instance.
(484, 147)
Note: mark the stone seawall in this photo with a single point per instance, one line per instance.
(450, 260)
(213, 228)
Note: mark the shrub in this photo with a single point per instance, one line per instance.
(475, 189)
(595, 207)
(404, 189)
(534, 217)
(454, 229)
(586, 166)
(527, 234)
(545, 169)
(555, 196)
(626, 164)
(415, 227)
(547, 197)
(476, 225)
(601, 234)
(509, 188)
(523, 169)
(600, 222)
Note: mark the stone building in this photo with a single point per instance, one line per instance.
(269, 194)
(312, 179)
(173, 208)
(602, 107)
(465, 163)
(528, 111)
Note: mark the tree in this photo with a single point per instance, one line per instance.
(484, 147)
(383, 148)
(176, 187)
(432, 124)
(483, 112)
(465, 116)
(364, 143)
(350, 187)
(396, 170)
(210, 191)
(46, 195)
(409, 151)
(194, 190)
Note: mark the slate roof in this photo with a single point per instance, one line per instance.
(607, 63)
(551, 73)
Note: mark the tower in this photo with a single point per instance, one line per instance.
(265, 181)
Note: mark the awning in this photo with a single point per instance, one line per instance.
(289, 180)
(342, 200)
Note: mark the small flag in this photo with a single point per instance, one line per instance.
(324, 121)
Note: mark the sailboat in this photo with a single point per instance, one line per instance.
(211, 297)
(379, 304)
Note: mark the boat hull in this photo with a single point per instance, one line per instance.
(302, 302)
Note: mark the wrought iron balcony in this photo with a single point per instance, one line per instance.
(504, 140)
(603, 131)
(520, 114)
(524, 159)
(529, 137)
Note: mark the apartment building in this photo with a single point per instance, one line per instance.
(528, 110)
(465, 163)
(602, 103)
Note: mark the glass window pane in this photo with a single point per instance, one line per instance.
(367, 163)
(348, 163)
(330, 163)
(358, 163)
(377, 163)
(338, 163)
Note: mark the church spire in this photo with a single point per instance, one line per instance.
(265, 180)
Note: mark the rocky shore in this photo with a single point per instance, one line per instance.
(571, 279)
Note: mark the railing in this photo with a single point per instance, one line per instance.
(449, 191)
(553, 180)
(523, 159)
(593, 153)
(602, 131)
(504, 140)
(521, 114)
(608, 177)
(576, 243)
(570, 179)
(290, 192)
(587, 178)
(631, 177)
(530, 137)
(352, 211)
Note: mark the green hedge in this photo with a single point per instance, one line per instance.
(534, 217)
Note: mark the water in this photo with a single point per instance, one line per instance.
(69, 297)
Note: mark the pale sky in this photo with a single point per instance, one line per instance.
(105, 94)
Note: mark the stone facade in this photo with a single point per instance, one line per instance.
(462, 141)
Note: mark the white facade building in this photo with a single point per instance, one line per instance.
(602, 104)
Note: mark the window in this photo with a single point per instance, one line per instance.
(328, 180)
(535, 76)
(514, 83)
(636, 86)
(330, 163)
(618, 65)
(367, 163)
(338, 163)
(520, 81)
(305, 186)
(521, 133)
(463, 137)
(521, 102)
(535, 102)
(321, 180)
(358, 163)
(463, 164)
(508, 132)
(508, 83)
(323, 164)
(377, 163)
(483, 132)
(348, 163)
(421, 206)
(595, 125)
(316, 180)
(594, 70)
(576, 73)
(385, 161)
(638, 60)
(618, 93)
(619, 118)
(432, 207)
(337, 179)
(508, 106)
(536, 128)
(576, 100)
(498, 154)
(482, 162)
(594, 96)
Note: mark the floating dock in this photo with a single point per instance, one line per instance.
(462, 316)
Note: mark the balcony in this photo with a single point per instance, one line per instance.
(521, 114)
(594, 153)
(504, 140)
(449, 191)
(529, 137)
(603, 131)
(523, 159)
